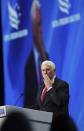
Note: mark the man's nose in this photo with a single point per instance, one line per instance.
(45, 72)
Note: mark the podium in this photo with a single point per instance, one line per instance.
(39, 120)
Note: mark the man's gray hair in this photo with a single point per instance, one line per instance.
(49, 63)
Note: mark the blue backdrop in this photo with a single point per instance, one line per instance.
(63, 26)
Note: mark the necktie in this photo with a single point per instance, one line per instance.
(43, 94)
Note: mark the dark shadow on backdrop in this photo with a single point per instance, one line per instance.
(31, 71)
(1, 65)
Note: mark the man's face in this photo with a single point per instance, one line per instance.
(47, 70)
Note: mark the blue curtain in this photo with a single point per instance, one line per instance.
(16, 48)
(62, 22)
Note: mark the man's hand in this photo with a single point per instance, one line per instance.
(47, 81)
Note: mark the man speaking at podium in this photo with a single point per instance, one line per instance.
(53, 95)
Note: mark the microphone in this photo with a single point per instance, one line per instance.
(18, 99)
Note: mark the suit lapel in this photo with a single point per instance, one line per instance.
(55, 85)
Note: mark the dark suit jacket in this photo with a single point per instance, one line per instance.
(56, 99)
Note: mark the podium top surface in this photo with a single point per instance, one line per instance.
(33, 115)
